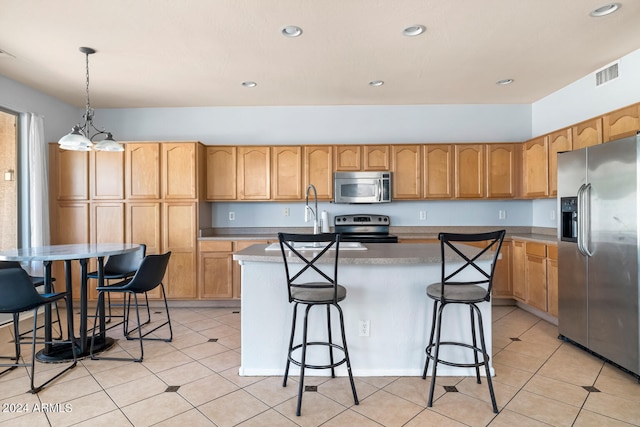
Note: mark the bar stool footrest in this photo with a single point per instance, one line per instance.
(478, 350)
(318, 343)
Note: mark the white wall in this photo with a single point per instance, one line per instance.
(582, 100)
(322, 125)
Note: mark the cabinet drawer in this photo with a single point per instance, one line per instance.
(536, 249)
(216, 246)
(243, 244)
(552, 252)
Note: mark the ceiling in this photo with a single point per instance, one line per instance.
(168, 53)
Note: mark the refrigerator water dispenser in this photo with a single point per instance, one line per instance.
(569, 219)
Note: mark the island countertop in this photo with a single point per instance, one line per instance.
(376, 254)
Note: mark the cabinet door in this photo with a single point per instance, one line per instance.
(438, 171)
(406, 165)
(621, 123)
(552, 280)
(221, 173)
(502, 276)
(179, 170)
(179, 231)
(142, 225)
(536, 275)
(558, 141)
(72, 173)
(469, 171)
(519, 283)
(348, 158)
(254, 171)
(107, 226)
(501, 171)
(286, 173)
(535, 168)
(318, 169)
(142, 170)
(586, 134)
(216, 270)
(71, 225)
(376, 157)
(107, 175)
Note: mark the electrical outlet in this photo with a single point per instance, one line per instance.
(286, 212)
(232, 216)
(423, 215)
(364, 328)
(552, 215)
(502, 214)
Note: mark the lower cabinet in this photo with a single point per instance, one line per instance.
(502, 276)
(219, 277)
(535, 275)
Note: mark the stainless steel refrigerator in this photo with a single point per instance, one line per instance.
(598, 287)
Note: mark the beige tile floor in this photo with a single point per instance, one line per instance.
(540, 381)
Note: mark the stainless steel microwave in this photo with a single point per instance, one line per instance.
(362, 187)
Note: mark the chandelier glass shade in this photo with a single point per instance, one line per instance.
(82, 136)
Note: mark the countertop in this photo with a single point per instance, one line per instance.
(376, 254)
(532, 234)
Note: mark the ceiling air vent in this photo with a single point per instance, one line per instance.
(607, 74)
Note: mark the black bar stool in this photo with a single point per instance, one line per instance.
(310, 286)
(460, 254)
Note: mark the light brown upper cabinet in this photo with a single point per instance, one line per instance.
(362, 158)
(254, 173)
(621, 123)
(586, 134)
(286, 173)
(501, 171)
(469, 171)
(406, 166)
(559, 141)
(535, 165)
(348, 157)
(142, 170)
(179, 170)
(437, 161)
(376, 158)
(70, 170)
(318, 169)
(221, 173)
(107, 175)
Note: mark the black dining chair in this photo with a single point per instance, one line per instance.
(148, 277)
(309, 285)
(18, 295)
(119, 267)
(37, 281)
(463, 281)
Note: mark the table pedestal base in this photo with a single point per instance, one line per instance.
(58, 353)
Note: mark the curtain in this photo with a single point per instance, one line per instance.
(38, 186)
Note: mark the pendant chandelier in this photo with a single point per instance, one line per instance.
(81, 137)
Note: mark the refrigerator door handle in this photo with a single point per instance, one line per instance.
(580, 234)
(587, 220)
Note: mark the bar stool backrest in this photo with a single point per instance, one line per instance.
(460, 255)
(17, 292)
(149, 274)
(125, 264)
(302, 254)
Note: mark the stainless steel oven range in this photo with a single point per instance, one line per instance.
(364, 228)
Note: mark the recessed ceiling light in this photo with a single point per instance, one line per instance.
(414, 30)
(249, 84)
(376, 83)
(605, 10)
(291, 31)
(504, 82)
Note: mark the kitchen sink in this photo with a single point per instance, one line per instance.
(344, 246)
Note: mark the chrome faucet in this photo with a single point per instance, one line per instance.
(314, 211)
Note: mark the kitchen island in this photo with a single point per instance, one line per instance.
(386, 286)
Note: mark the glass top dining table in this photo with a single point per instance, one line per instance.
(80, 252)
